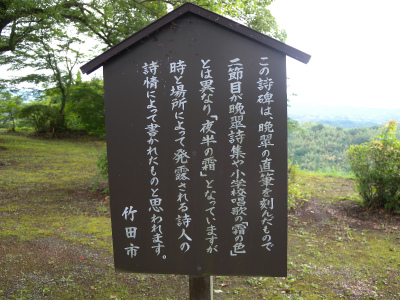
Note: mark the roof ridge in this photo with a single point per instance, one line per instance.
(98, 61)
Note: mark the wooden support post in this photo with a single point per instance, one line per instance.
(200, 288)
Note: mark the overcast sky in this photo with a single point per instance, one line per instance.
(355, 49)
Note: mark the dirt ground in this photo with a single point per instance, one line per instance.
(56, 240)
(38, 266)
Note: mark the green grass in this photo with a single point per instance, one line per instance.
(53, 163)
(56, 237)
(324, 186)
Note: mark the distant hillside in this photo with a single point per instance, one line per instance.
(318, 147)
(342, 116)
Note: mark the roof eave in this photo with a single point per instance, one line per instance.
(98, 61)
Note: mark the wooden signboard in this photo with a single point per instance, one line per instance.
(197, 145)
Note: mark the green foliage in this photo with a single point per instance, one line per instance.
(54, 61)
(102, 164)
(254, 14)
(323, 148)
(294, 191)
(361, 139)
(21, 21)
(42, 117)
(293, 125)
(317, 127)
(9, 108)
(301, 151)
(327, 254)
(45, 35)
(85, 108)
(376, 166)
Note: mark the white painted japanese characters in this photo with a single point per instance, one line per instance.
(237, 138)
(155, 202)
(215, 127)
(265, 131)
(208, 143)
(181, 157)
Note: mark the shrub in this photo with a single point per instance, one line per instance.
(85, 108)
(102, 164)
(42, 117)
(9, 108)
(293, 188)
(376, 166)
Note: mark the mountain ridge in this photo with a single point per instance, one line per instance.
(342, 116)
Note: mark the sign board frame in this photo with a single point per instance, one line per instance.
(167, 200)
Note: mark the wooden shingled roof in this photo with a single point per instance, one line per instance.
(186, 8)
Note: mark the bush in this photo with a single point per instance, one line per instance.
(42, 117)
(376, 166)
(102, 164)
(85, 109)
(9, 108)
(293, 188)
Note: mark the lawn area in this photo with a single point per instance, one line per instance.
(55, 236)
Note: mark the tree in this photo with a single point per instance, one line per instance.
(111, 21)
(54, 62)
(42, 117)
(86, 106)
(376, 165)
(317, 127)
(10, 105)
(254, 14)
(45, 34)
(22, 20)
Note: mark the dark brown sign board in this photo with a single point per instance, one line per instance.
(196, 120)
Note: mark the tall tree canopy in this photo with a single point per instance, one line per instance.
(47, 36)
(110, 21)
